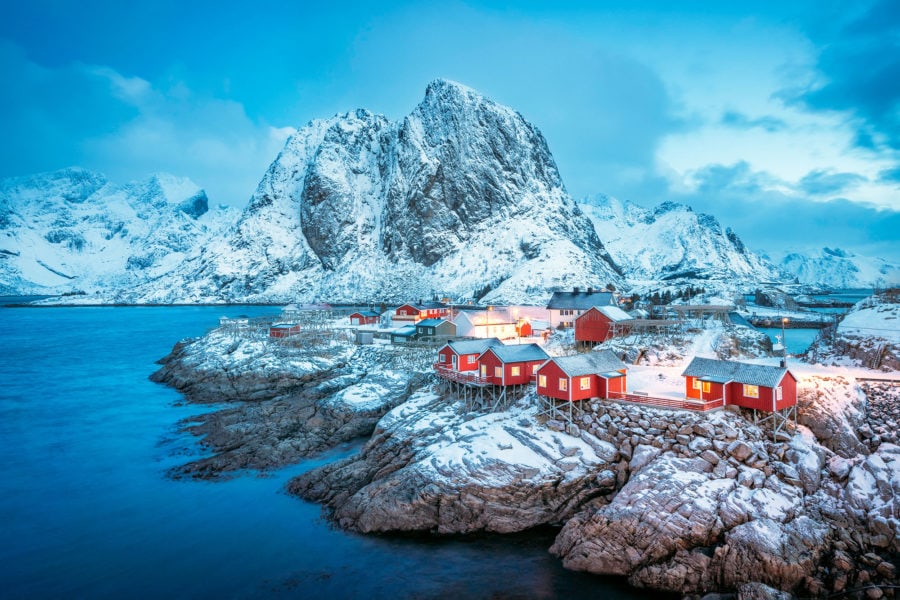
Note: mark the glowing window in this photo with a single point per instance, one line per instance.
(534, 369)
(706, 387)
(542, 381)
(585, 383)
(515, 371)
(751, 391)
(498, 372)
(696, 384)
(484, 370)
(563, 384)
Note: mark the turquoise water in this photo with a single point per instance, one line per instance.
(88, 512)
(798, 340)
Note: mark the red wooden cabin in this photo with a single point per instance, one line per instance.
(523, 328)
(462, 355)
(364, 317)
(511, 365)
(283, 330)
(417, 312)
(750, 386)
(583, 376)
(601, 323)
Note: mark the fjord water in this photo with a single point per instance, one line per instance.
(88, 510)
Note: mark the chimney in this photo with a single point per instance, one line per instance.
(575, 291)
(590, 290)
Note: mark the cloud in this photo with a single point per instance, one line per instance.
(821, 182)
(774, 215)
(859, 74)
(128, 127)
(732, 118)
(890, 176)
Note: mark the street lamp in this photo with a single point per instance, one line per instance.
(784, 320)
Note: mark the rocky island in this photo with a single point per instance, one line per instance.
(673, 500)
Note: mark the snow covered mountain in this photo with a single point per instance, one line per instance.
(73, 230)
(673, 243)
(836, 268)
(461, 197)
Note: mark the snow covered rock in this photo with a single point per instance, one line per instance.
(73, 230)
(429, 468)
(461, 197)
(868, 336)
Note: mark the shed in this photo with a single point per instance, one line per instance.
(511, 365)
(403, 335)
(462, 355)
(435, 328)
(365, 317)
(283, 330)
(364, 337)
(582, 376)
(758, 387)
(601, 323)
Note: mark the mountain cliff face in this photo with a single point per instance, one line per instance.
(671, 243)
(461, 197)
(836, 268)
(74, 230)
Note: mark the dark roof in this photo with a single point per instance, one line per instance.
(722, 371)
(366, 313)
(580, 301)
(431, 322)
(518, 353)
(590, 363)
(424, 305)
(473, 346)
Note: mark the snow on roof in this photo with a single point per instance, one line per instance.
(614, 313)
(366, 313)
(580, 300)
(406, 331)
(518, 353)
(473, 346)
(590, 363)
(430, 322)
(722, 371)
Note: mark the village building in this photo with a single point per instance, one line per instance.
(601, 323)
(565, 307)
(435, 329)
(462, 355)
(283, 330)
(365, 317)
(771, 390)
(413, 313)
(403, 335)
(569, 379)
(516, 364)
(485, 324)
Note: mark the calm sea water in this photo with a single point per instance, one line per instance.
(88, 512)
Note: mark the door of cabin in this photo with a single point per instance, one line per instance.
(453, 361)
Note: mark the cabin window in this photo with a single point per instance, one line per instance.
(707, 386)
(471, 359)
(585, 383)
(696, 384)
(778, 394)
(515, 371)
(563, 384)
(484, 370)
(542, 381)
(751, 391)
(443, 358)
(534, 369)
(402, 313)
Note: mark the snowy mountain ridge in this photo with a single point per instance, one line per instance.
(836, 268)
(672, 243)
(461, 197)
(73, 230)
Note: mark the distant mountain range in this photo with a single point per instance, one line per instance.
(461, 197)
(836, 268)
(73, 230)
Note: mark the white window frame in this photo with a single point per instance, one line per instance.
(443, 358)
(542, 381)
(584, 383)
(751, 391)
(563, 384)
(515, 371)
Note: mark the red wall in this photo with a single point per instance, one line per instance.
(554, 373)
(715, 390)
(358, 319)
(592, 326)
(283, 332)
(735, 394)
(490, 361)
(463, 363)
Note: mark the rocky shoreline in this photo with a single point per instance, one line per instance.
(675, 501)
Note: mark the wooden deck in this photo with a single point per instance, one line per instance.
(673, 403)
(464, 377)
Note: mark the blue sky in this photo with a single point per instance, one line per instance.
(781, 118)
